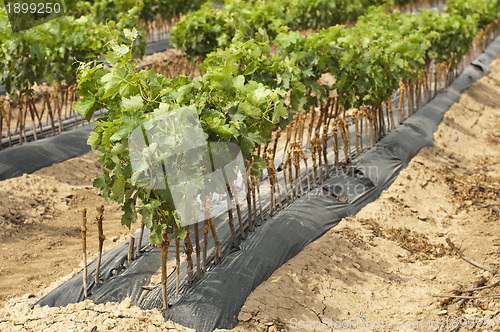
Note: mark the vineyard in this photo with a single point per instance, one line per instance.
(297, 117)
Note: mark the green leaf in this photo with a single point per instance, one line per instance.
(130, 34)
(239, 82)
(180, 233)
(227, 131)
(119, 148)
(121, 50)
(129, 216)
(118, 189)
(259, 162)
(259, 95)
(280, 111)
(156, 236)
(133, 103)
(84, 106)
(94, 139)
(99, 181)
(250, 110)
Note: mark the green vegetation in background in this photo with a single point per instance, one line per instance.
(207, 29)
(168, 9)
(49, 51)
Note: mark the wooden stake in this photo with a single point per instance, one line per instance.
(288, 165)
(20, 119)
(322, 111)
(39, 116)
(1, 119)
(390, 116)
(229, 199)
(436, 72)
(84, 246)
(189, 259)
(99, 218)
(130, 256)
(177, 265)
(334, 110)
(320, 168)
(288, 137)
(286, 183)
(335, 142)
(371, 118)
(46, 100)
(401, 102)
(325, 150)
(310, 126)
(315, 164)
(296, 163)
(249, 203)
(276, 184)
(254, 201)
(57, 105)
(299, 129)
(356, 128)
(139, 240)
(381, 120)
(260, 201)
(238, 211)
(164, 257)
(218, 250)
(276, 139)
(344, 133)
(198, 250)
(8, 122)
(271, 171)
(304, 157)
(33, 124)
(366, 114)
(205, 245)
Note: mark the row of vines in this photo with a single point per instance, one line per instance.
(38, 69)
(46, 55)
(203, 31)
(266, 85)
(38, 66)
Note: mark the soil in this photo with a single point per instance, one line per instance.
(388, 263)
(40, 218)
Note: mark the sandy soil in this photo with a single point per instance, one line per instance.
(40, 218)
(385, 264)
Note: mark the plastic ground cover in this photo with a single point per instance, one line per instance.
(215, 300)
(28, 158)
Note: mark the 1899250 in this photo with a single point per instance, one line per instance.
(33, 8)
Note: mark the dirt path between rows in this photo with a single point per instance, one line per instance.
(40, 218)
(386, 264)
